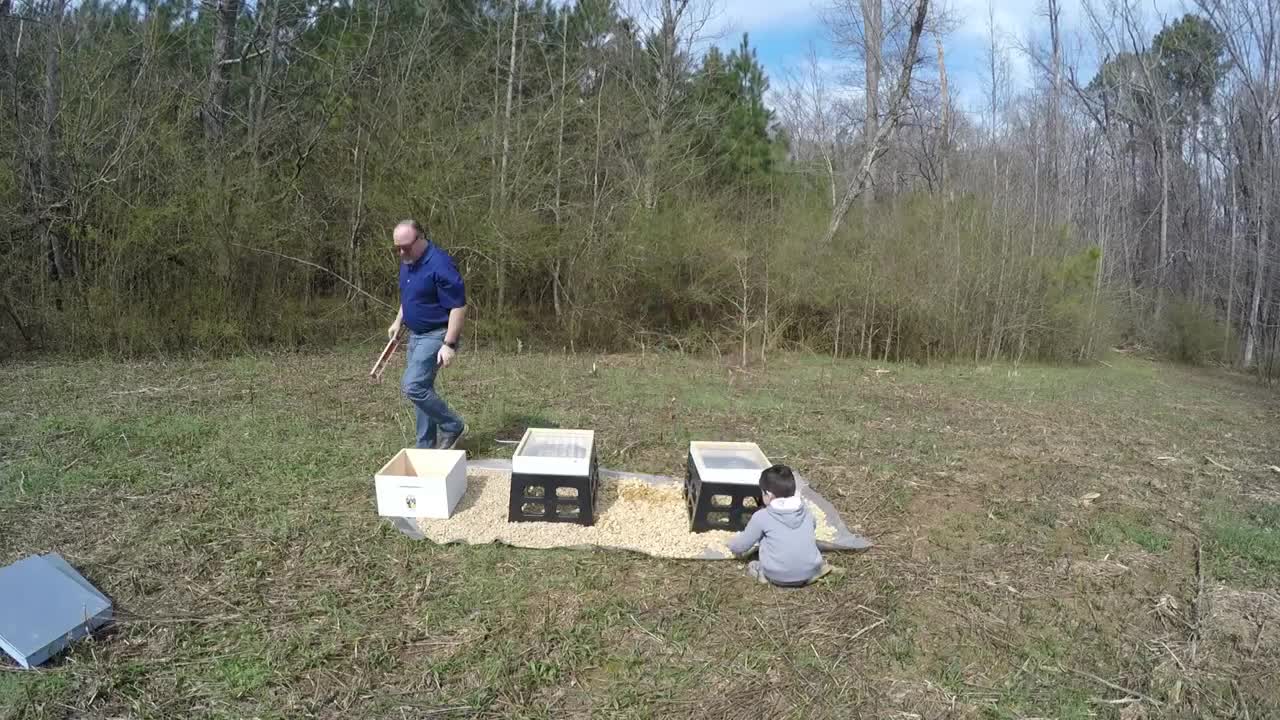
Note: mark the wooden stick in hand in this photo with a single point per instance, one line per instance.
(375, 373)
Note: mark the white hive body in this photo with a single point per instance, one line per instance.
(421, 483)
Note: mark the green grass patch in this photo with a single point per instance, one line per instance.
(1111, 530)
(243, 676)
(21, 692)
(1244, 545)
(1041, 699)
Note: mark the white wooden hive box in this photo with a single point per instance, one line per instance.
(421, 483)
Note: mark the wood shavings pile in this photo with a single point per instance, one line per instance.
(631, 514)
(824, 531)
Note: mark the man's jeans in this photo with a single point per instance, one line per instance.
(418, 385)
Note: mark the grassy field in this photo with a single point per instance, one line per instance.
(1054, 543)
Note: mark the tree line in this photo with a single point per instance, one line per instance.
(218, 176)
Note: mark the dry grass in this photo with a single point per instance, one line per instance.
(227, 508)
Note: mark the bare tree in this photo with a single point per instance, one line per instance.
(808, 110)
(873, 57)
(262, 92)
(1140, 99)
(943, 144)
(1252, 31)
(556, 203)
(214, 112)
(1053, 11)
(504, 158)
(668, 58)
(861, 178)
(50, 183)
(9, 61)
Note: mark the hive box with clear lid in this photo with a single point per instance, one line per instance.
(554, 477)
(45, 605)
(421, 483)
(722, 484)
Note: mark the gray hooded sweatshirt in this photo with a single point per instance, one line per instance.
(788, 547)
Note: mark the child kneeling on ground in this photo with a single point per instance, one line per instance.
(785, 530)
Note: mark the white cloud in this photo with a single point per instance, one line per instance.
(797, 75)
(738, 16)
(731, 18)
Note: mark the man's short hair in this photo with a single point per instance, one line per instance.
(778, 481)
(418, 230)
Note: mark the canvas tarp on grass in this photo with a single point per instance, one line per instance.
(481, 517)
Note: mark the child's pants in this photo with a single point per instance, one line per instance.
(754, 570)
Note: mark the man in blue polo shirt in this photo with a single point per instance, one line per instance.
(433, 304)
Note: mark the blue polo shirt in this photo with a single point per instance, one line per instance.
(429, 288)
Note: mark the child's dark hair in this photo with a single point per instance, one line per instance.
(778, 481)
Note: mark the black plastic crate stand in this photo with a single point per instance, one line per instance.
(554, 477)
(722, 484)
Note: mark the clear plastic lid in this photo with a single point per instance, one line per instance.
(721, 459)
(557, 445)
(728, 462)
(554, 451)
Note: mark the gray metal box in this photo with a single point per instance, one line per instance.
(45, 605)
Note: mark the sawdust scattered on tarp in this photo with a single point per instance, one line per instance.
(641, 513)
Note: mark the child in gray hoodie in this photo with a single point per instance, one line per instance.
(785, 530)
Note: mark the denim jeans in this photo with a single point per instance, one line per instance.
(418, 384)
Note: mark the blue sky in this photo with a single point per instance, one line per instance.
(783, 30)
